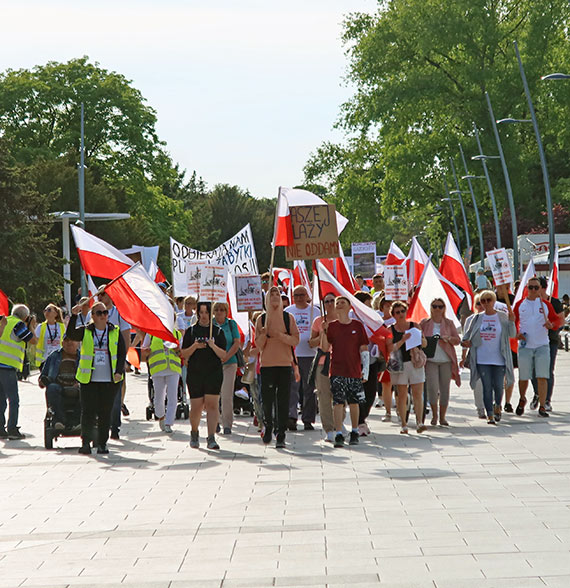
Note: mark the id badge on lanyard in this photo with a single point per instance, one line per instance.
(100, 351)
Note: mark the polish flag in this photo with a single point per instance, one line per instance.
(552, 287)
(452, 268)
(395, 255)
(281, 277)
(91, 290)
(522, 290)
(141, 302)
(97, 257)
(301, 275)
(416, 261)
(283, 232)
(339, 268)
(430, 287)
(4, 304)
(329, 284)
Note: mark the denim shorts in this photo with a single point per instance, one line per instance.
(534, 362)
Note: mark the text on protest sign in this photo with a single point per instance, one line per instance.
(315, 233)
(500, 266)
(237, 254)
(249, 295)
(194, 277)
(395, 282)
(214, 283)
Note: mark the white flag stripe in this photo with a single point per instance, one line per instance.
(90, 243)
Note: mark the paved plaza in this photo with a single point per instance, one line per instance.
(469, 506)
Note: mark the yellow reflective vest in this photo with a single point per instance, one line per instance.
(41, 344)
(162, 358)
(11, 351)
(87, 354)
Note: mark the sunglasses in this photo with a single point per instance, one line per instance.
(329, 301)
(399, 312)
(485, 300)
(298, 295)
(101, 313)
(48, 309)
(265, 281)
(533, 287)
(440, 306)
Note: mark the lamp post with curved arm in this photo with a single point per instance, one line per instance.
(458, 192)
(448, 198)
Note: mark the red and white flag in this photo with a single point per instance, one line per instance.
(552, 287)
(416, 261)
(283, 232)
(395, 255)
(282, 277)
(97, 257)
(522, 290)
(142, 303)
(430, 287)
(4, 304)
(91, 290)
(329, 284)
(301, 275)
(452, 268)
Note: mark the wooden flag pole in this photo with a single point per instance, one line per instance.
(274, 237)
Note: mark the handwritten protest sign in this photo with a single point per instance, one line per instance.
(500, 266)
(194, 277)
(364, 259)
(395, 282)
(214, 283)
(249, 295)
(315, 232)
(237, 254)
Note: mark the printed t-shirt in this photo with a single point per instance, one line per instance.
(346, 340)
(489, 352)
(532, 318)
(204, 362)
(303, 320)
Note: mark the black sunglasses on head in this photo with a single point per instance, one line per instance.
(101, 313)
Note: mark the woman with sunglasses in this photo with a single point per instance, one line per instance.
(478, 389)
(100, 372)
(49, 333)
(442, 367)
(410, 375)
(487, 337)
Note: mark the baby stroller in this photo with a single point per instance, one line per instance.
(242, 398)
(72, 418)
(182, 407)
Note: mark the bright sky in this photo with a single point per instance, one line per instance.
(245, 90)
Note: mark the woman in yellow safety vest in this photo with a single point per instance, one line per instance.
(165, 369)
(49, 333)
(100, 372)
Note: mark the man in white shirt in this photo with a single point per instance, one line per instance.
(534, 316)
(304, 314)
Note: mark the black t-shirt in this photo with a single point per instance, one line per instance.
(204, 362)
(396, 336)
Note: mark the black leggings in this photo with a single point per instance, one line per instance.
(370, 389)
(275, 393)
(97, 400)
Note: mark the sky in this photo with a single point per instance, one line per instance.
(244, 90)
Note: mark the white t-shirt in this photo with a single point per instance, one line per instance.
(532, 318)
(489, 353)
(439, 356)
(184, 322)
(52, 340)
(101, 362)
(303, 320)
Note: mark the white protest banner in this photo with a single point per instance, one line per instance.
(500, 266)
(214, 283)
(395, 282)
(194, 277)
(237, 254)
(248, 293)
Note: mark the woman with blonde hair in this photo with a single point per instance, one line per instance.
(49, 333)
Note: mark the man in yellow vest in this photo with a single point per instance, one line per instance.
(100, 373)
(18, 331)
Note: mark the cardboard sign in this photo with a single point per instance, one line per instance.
(315, 234)
(214, 283)
(194, 277)
(500, 266)
(395, 282)
(249, 295)
(237, 254)
(364, 259)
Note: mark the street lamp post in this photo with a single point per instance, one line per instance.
(81, 178)
(448, 198)
(458, 192)
(489, 185)
(551, 234)
(468, 178)
(508, 187)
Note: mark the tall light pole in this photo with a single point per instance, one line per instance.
(509, 189)
(452, 213)
(458, 192)
(81, 177)
(551, 233)
(492, 194)
(468, 178)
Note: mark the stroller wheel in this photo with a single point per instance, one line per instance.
(149, 413)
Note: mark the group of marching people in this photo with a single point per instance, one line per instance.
(299, 359)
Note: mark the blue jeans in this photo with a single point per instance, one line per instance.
(54, 400)
(492, 378)
(9, 396)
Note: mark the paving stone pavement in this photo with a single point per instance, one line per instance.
(467, 506)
